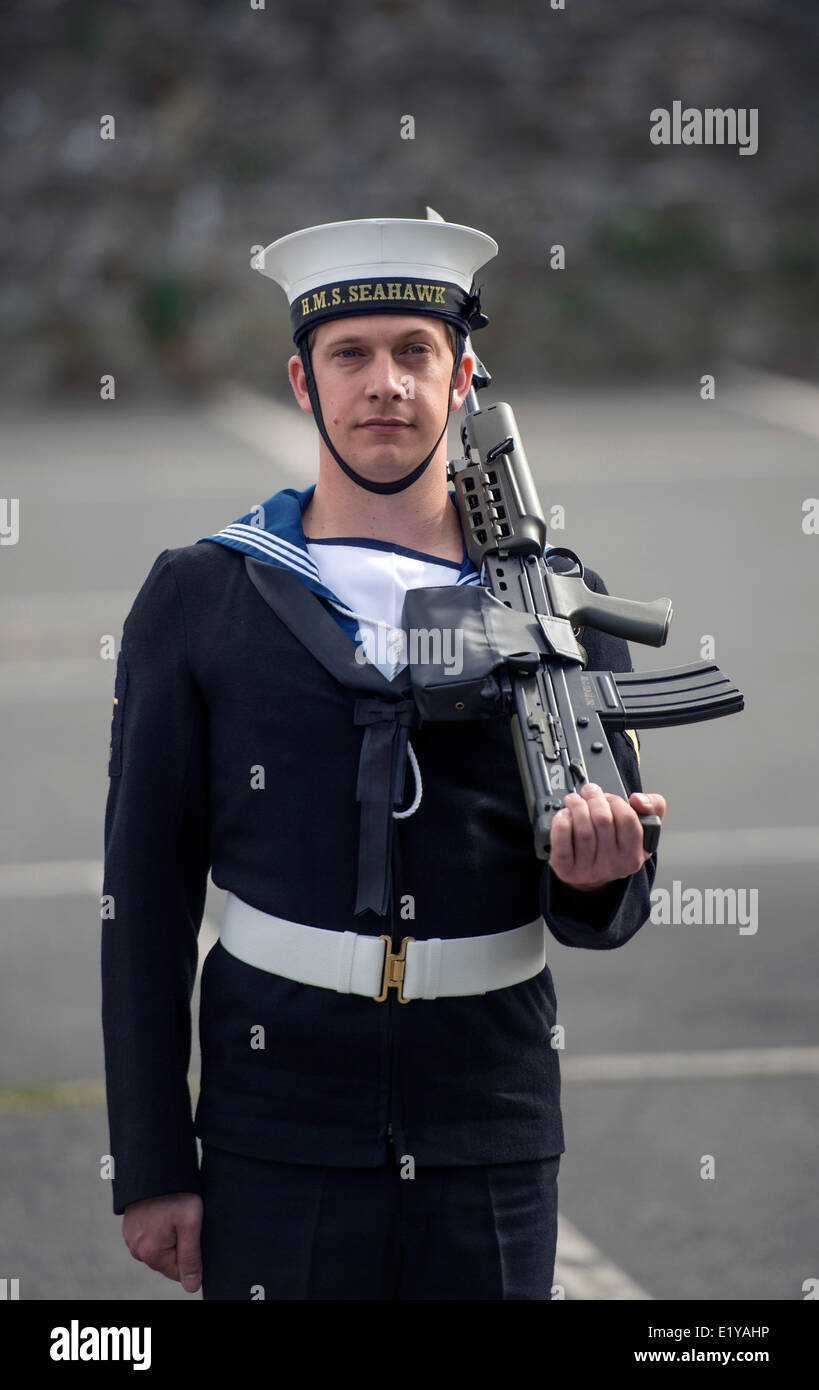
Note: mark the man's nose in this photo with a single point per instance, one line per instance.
(385, 375)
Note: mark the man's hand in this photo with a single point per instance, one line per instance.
(163, 1232)
(598, 837)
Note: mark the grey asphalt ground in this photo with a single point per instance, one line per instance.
(664, 494)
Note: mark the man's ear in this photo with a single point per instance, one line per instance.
(463, 380)
(295, 371)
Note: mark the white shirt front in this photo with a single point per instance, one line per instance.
(371, 581)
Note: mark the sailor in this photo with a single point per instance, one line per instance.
(379, 1108)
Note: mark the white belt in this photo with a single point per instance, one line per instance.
(354, 964)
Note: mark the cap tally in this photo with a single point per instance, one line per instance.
(379, 264)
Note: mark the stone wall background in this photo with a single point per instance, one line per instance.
(237, 125)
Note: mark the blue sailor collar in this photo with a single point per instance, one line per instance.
(273, 532)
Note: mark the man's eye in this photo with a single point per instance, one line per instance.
(423, 348)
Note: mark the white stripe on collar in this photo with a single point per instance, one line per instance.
(281, 540)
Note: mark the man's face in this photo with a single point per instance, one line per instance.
(383, 383)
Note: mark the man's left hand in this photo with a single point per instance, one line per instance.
(598, 838)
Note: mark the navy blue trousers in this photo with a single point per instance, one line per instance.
(301, 1231)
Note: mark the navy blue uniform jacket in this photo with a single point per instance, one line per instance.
(211, 685)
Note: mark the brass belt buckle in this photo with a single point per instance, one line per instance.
(393, 977)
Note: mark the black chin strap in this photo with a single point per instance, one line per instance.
(401, 483)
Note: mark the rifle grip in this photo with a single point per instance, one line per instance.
(651, 832)
(542, 828)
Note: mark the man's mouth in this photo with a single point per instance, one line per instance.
(384, 426)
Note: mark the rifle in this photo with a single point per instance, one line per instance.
(521, 656)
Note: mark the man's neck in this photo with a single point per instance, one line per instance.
(422, 518)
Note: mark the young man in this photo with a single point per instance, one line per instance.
(358, 1142)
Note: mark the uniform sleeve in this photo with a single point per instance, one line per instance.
(612, 915)
(157, 857)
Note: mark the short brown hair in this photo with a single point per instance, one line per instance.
(450, 333)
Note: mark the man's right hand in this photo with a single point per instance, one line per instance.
(163, 1232)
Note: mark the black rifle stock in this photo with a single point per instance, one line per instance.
(520, 621)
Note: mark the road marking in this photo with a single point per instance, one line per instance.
(720, 1065)
(144, 456)
(287, 436)
(759, 845)
(54, 878)
(585, 1273)
(779, 400)
(726, 1065)
(58, 1095)
(63, 1095)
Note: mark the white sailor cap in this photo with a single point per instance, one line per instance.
(390, 264)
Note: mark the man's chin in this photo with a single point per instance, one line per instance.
(385, 465)
(391, 474)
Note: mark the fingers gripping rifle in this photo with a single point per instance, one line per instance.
(520, 653)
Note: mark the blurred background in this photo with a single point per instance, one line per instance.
(130, 258)
(235, 126)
